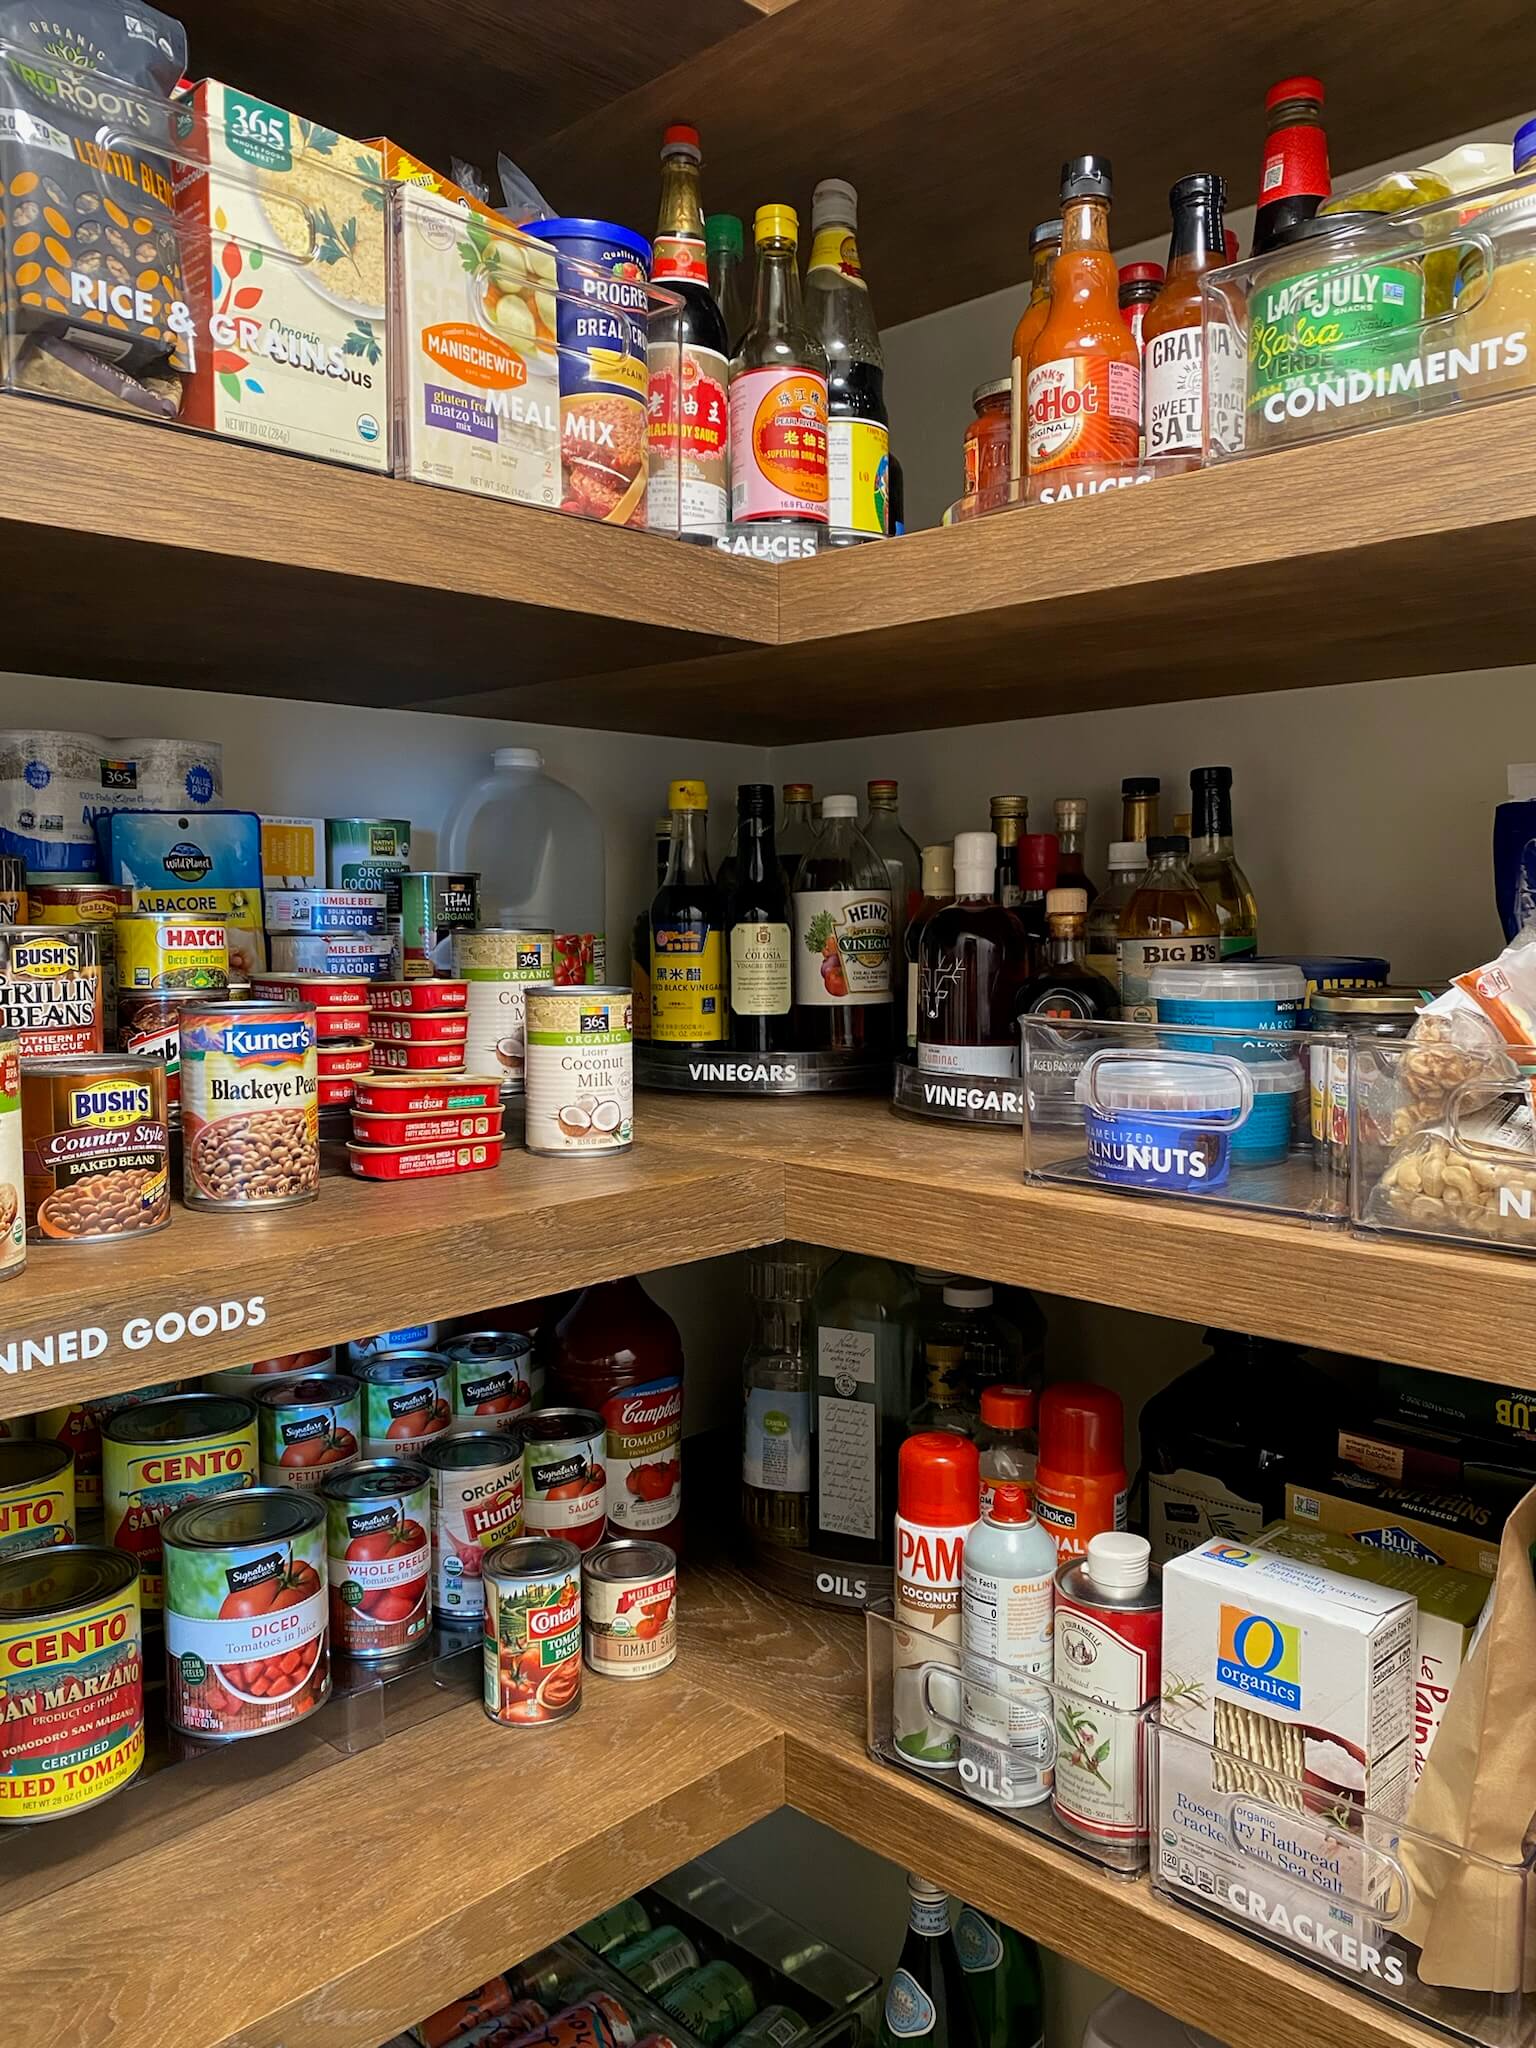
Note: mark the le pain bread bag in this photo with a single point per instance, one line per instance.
(1470, 1914)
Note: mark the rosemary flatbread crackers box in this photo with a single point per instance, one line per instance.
(284, 243)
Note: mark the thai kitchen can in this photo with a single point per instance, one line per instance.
(499, 965)
(491, 1384)
(164, 950)
(37, 1495)
(378, 1560)
(477, 1502)
(405, 1401)
(50, 988)
(433, 906)
(564, 1482)
(157, 1458)
(90, 903)
(13, 1215)
(532, 1631)
(250, 1116)
(370, 854)
(580, 1077)
(71, 1680)
(629, 1608)
(245, 1613)
(96, 1148)
(306, 1429)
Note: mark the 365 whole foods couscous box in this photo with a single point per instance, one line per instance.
(477, 379)
(284, 249)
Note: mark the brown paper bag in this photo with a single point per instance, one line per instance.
(1468, 1913)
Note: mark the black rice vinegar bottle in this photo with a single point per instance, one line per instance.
(688, 1006)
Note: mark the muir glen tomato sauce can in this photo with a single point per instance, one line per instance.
(378, 1559)
(532, 1631)
(564, 1481)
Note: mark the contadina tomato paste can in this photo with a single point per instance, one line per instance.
(564, 1483)
(629, 1604)
(477, 1502)
(308, 1429)
(71, 1680)
(405, 1401)
(245, 1613)
(377, 1558)
(37, 1496)
(158, 1457)
(491, 1383)
(532, 1631)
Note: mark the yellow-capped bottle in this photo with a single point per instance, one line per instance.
(688, 1006)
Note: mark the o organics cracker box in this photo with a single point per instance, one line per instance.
(284, 245)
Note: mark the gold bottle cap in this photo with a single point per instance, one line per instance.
(687, 796)
(776, 223)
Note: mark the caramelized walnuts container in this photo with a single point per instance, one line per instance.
(95, 1149)
(250, 1115)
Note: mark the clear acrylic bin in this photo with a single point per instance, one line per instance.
(1373, 322)
(1022, 1747)
(1395, 1913)
(1182, 1112)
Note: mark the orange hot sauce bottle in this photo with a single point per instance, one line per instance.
(1084, 376)
(1044, 248)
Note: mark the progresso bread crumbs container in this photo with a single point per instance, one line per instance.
(37, 1495)
(532, 1631)
(71, 1680)
(250, 1116)
(246, 1634)
(158, 1457)
(96, 1159)
(405, 1401)
(306, 1429)
(477, 1502)
(629, 1608)
(378, 1559)
(580, 1072)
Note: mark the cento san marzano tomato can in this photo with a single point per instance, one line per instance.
(477, 1502)
(308, 1428)
(564, 1481)
(405, 1401)
(378, 1560)
(532, 1631)
(629, 1608)
(157, 1458)
(491, 1384)
(245, 1613)
(71, 1679)
(37, 1495)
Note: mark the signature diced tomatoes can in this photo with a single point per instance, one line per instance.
(564, 1480)
(71, 1680)
(532, 1631)
(246, 1636)
(378, 1560)
(629, 1606)
(37, 1495)
(477, 1502)
(308, 1428)
(157, 1458)
(405, 1401)
(492, 1382)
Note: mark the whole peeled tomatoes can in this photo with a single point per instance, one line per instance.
(378, 1560)
(407, 1400)
(532, 1631)
(308, 1428)
(247, 1646)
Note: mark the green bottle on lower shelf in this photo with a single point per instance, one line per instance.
(925, 1996)
(1002, 1981)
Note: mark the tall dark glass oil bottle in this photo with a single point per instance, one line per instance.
(640, 938)
(926, 1994)
(687, 440)
(759, 930)
(688, 1006)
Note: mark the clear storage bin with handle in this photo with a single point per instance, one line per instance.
(538, 850)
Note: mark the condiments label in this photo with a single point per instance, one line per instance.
(779, 445)
(761, 971)
(1174, 370)
(687, 440)
(858, 475)
(1083, 409)
(687, 984)
(843, 949)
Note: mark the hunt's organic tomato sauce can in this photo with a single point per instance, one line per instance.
(158, 1457)
(71, 1680)
(477, 1502)
(245, 1613)
(564, 1483)
(532, 1631)
(378, 1561)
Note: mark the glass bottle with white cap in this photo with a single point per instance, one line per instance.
(974, 956)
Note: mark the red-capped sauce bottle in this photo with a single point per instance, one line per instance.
(617, 1352)
(1294, 180)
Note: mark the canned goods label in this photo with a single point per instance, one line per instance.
(245, 1634)
(143, 1484)
(378, 1566)
(306, 1439)
(36, 1513)
(580, 1076)
(631, 1627)
(71, 1706)
(472, 1511)
(50, 988)
(532, 1648)
(97, 1157)
(250, 1119)
(645, 1456)
(564, 1489)
(171, 953)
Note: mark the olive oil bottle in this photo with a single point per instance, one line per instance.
(1214, 865)
(1167, 923)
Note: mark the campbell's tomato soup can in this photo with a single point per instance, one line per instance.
(564, 1479)
(378, 1559)
(492, 1386)
(245, 1613)
(477, 1502)
(629, 1608)
(307, 1429)
(247, 1381)
(77, 1426)
(643, 1429)
(71, 1679)
(157, 1458)
(405, 1401)
(37, 1496)
(532, 1631)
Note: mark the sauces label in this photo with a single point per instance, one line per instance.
(1174, 370)
(843, 954)
(858, 474)
(779, 445)
(1083, 409)
(761, 974)
(645, 1445)
(687, 440)
(687, 983)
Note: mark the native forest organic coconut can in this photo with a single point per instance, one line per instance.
(579, 1080)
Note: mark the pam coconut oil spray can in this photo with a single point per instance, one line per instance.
(938, 1500)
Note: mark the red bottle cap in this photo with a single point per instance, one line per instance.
(938, 1479)
(680, 132)
(1008, 1407)
(1229, 243)
(1294, 89)
(1038, 854)
(1142, 273)
(1082, 1430)
(1010, 1502)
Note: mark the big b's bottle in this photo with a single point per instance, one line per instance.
(938, 1498)
(1084, 380)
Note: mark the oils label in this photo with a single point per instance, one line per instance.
(687, 984)
(71, 1708)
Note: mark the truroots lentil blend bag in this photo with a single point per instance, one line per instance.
(93, 294)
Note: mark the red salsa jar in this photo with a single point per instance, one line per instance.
(616, 1351)
(988, 439)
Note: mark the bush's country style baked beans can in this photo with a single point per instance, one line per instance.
(37, 1495)
(629, 1608)
(532, 1631)
(71, 1680)
(564, 1483)
(491, 1384)
(378, 1561)
(405, 1401)
(13, 1215)
(477, 1502)
(164, 950)
(499, 965)
(580, 1075)
(250, 1116)
(246, 1636)
(50, 988)
(158, 1457)
(96, 903)
(306, 1429)
(96, 1157)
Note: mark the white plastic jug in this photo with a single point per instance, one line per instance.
(538, 849)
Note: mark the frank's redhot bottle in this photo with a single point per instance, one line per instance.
(1084, 381)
